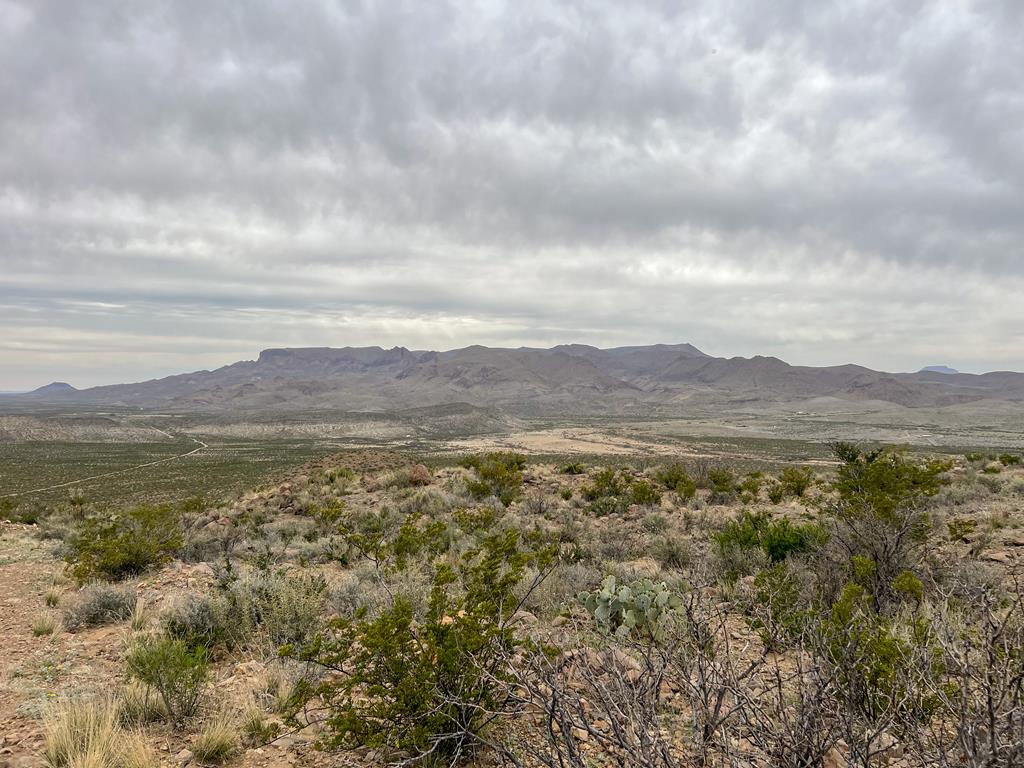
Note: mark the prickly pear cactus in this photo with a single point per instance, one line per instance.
(641, 608)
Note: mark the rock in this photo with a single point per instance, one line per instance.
(580, 735)
(524, 618)
(644, 568)
(184, 757)
(997, 557)
(560, 621)
(420, 475)
(833, 759)
(887, 746)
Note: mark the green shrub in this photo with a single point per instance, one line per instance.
(776, 493)
(609, 505)
(605, 483)
(13, 512)
(880, 514)
(640, 608)
(675, 478)
(498, 474)
(573, 468)
(751, 487)
(116, 547)
(1010, 459)
(643, 493)
(427, 688)
(909, 585)
(796, 480)
(778, 538)
(566, 493)
(99, 604)
(175, 671)
(327, 516)
(878, 662)
(960, 528)
(723, 485)
(782, 609)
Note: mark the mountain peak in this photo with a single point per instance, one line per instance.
(938, 369)
(55, 388)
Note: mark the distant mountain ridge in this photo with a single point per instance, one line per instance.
(569, 378)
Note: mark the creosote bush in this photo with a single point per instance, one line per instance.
(428, 689)
(675, 478)
(118, 546)
(177, 672)
(498, 474)
(880, 522)
(796, 480)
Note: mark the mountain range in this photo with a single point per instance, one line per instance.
(572, 378)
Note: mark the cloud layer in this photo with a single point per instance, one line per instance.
(184, 183)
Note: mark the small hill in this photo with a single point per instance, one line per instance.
(938, 369)
(55, 388)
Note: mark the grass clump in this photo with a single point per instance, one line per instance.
(43, 624)
(86, 734)
(139, 704)
(218, 740)
(97, 605)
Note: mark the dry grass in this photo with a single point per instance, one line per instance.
(135, 753)
(52, 598)
(82, 733)
(85, 733)
(140, 704)
(43, 624)
(140, 616)
(217, 741)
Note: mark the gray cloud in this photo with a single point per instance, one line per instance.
(183, 183)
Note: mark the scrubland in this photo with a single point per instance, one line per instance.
(491, 609)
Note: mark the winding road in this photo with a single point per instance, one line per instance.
(200, 446)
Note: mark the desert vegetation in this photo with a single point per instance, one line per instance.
(498, 609)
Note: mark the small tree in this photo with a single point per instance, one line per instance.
(880, 523)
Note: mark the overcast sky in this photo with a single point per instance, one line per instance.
(185, 183)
